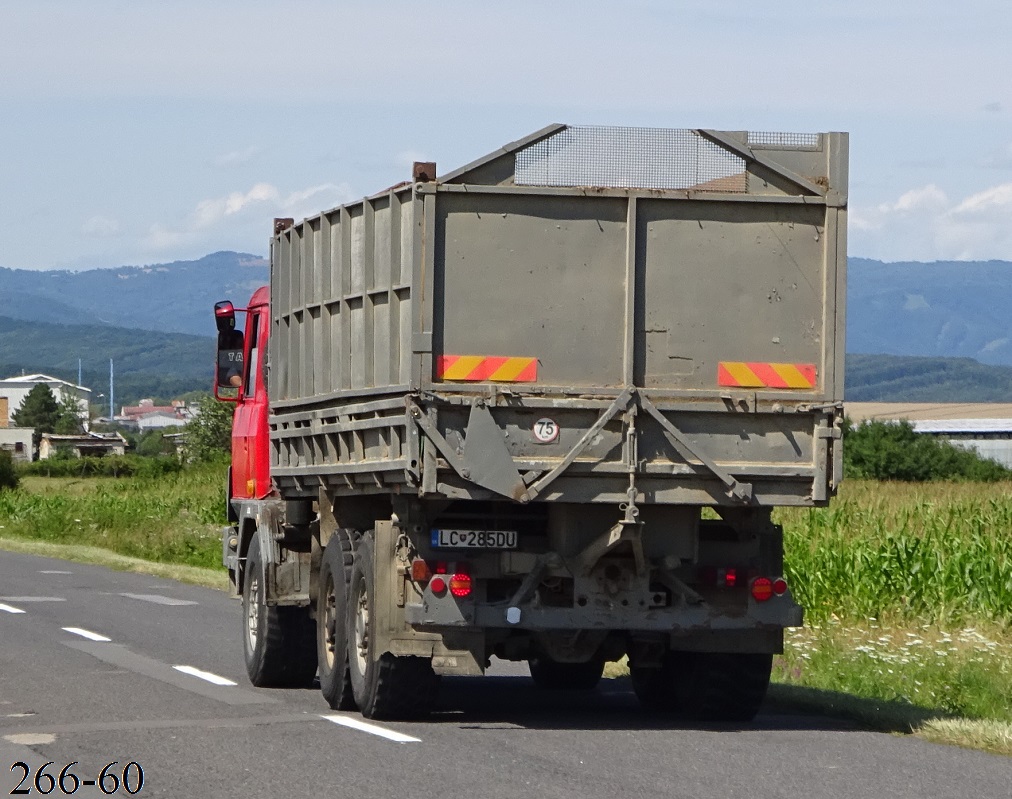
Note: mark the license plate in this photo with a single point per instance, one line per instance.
(474, 539)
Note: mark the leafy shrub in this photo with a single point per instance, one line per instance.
(8, 475)
(895, 451)
(109, 466)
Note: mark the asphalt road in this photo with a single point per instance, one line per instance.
(65, 697)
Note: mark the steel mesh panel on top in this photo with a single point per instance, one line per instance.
(792, 141)
(639, 158)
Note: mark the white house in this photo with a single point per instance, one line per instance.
(15, 389)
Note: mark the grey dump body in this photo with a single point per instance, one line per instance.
(624, 345)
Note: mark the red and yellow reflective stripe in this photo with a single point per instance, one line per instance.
(742, 374)
(480, 368)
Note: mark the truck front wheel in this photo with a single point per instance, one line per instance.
(332, 622)
(278, 642)
(387, 686)
(705, 686)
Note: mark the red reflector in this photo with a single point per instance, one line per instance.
(460, 585)
(440, 567)
(730, 578)
(420, 571)
(438, 586)
(762, 589)
(780, 586)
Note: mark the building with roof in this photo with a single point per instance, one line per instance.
(15, 389)
(89, 445)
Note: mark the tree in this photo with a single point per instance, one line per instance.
(40, 410)
(68, 421)
(895, 451)
(209, 434)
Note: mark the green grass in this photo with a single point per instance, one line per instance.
(934, 552)
(908, 595)
(173, 518)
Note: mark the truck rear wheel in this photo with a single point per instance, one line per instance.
(705, 686)
(279, 643)
(332, 621)
(387, 686)
(551, 675)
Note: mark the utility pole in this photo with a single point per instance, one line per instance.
(112, 402)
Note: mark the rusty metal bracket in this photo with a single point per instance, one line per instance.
(736, 490)
(620, 404)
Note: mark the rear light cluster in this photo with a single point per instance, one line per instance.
(764, 588)
(440, 576)
(761, 588)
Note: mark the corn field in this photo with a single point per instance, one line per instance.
(935, 551)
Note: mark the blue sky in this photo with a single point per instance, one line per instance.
(144, 131)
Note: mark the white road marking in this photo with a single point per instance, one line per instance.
(34, 598)
(10, 608)
(86, 634)
(204, 675)
(372, 729)
(54, 571)
(158, 599)
(30, 738)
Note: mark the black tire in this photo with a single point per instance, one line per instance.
(550, 675)
(332, 621)
(705, 686)
(387, 687)
(279, 643)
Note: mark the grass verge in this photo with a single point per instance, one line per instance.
(77, 553)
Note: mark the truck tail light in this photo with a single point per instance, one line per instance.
(438, 586)
(780, 586)
(460, 585)
(720, 578)
(762, 589)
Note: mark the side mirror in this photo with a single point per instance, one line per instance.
(228, 371)
(224, 316)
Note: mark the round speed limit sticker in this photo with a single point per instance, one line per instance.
(546, 430)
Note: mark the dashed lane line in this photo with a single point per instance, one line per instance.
(54, 571)
(204, 675)
(10, 608)
(87, 634)
(372, 729)
(33, 598)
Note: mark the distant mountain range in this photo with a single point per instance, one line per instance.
(946, 308)
(931, 332)
(168, 298)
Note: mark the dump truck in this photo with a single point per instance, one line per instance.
(540, 408)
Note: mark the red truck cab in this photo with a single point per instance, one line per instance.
(241, 378)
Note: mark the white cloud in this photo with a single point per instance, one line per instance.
(100, 227)
(925, 224)
(219, 222)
